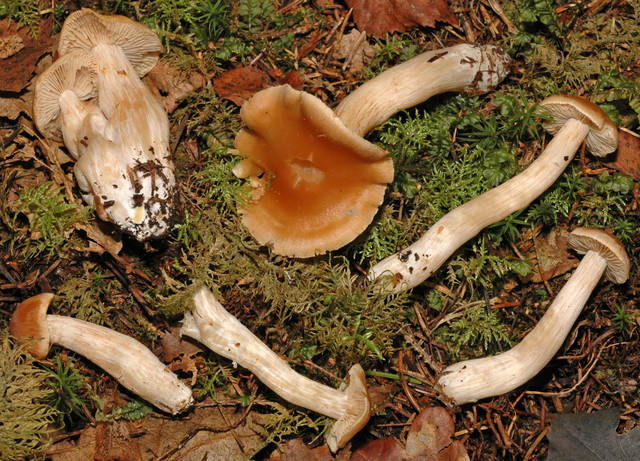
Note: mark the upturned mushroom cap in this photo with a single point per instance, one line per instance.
(30, 321)
(85, 28)
(321, 183)
(357, 416)
(74, 72)
(603, 134)
(584, 239)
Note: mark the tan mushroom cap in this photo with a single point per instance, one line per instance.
(76, 72)
(321, 183)
(584, 239)
(357, 416)
(603, 134)
(30, 321)
(85, 28)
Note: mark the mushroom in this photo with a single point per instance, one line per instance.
(123, 51)
(64, 105)
(476, 379)
(221, 332)
(573, 120)
(317, 183)
(127, 360)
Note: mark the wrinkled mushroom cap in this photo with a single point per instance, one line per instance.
(84, 29)
(74, 72)
(603, 134)
(321, 184)
(584, 239)
(30, 321)
(358, 413)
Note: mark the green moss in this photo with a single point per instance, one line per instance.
(24, 431)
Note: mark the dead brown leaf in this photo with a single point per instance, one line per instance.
(430, 438)
(551, 256)
(380, 450)
(239, 84)
(379, 17)
(179, 354)
(20, 52)
(170, 86)
(296, 450)
(628, 157)
(204, 433)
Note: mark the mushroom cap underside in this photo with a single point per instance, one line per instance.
(74, 72)
(358, 413)
(603, 133)
(321, 184)
(85, 28)
(584, 239)
(29, 320)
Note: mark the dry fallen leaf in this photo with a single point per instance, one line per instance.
(551, 255)
(170, 86)
(239, 84)
(20, 52)
(587, 436)
(628, 157)
(296, 450)
(379, 17)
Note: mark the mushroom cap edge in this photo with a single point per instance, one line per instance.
(583, 239)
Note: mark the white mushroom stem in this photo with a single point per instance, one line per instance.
(462, 67)
(419, 261)
(81, 120)
(127, 360)
(476, 379)
(138, 127)
(221, 332)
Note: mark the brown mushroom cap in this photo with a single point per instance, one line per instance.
(75, 71)
(603, 134)
(85, 28)
(357, 416)
(584, 239)
(30, 321)
(321, 183)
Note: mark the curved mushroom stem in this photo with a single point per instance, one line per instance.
(476, 379)
(419, 261)
(221, 332)
(458, 68)
(127, 360)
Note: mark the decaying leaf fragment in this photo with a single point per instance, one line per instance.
(379, 17)
(584, 436)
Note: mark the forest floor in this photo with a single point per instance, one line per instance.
(321, 314)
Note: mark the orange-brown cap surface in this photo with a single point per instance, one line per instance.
(30, 321)
(321, 183)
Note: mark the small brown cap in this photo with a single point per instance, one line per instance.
(584, 239)
(85, 28)
(358, 413)
(321, 183)
(75, 71)
(603, 134)
(30, 321)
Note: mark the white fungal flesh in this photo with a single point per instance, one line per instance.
(132, 182)
(221, 332)
(471, 380)
(470, 68)
(416, 263)
(127, 360)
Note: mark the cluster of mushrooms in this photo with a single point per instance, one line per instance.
(314, 189)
